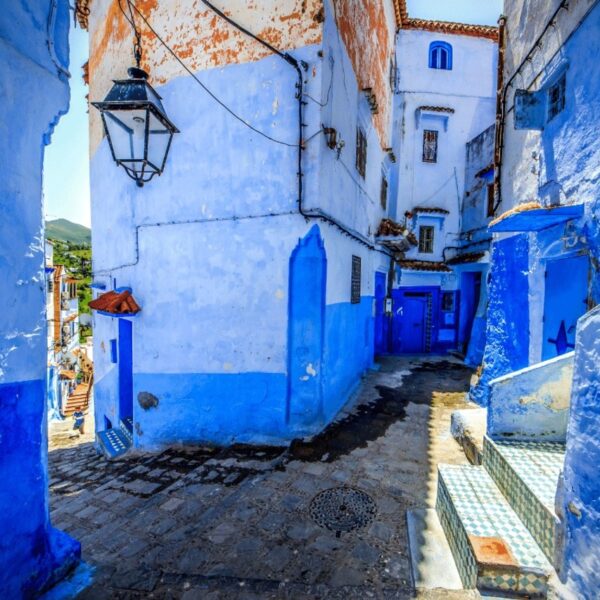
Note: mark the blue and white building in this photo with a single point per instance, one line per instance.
(445, 96)
(256, 294)
(35, 93)
(540, 380)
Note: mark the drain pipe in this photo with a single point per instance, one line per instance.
(299, 66)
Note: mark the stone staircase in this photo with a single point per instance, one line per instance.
(499, 518)
(115, 442)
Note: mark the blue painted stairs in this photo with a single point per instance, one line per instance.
(116, 442)
(499, 518)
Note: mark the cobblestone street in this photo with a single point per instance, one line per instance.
(235, 523)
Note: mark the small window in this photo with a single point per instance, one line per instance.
(430, 146)
(355, 284)
(440, 56)
(426, 239)
(361, 152)
(490, 200)
(556, 97)
(383, 194)
(448, 301)
(113, 351)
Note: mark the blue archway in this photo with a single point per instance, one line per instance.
(306, 326)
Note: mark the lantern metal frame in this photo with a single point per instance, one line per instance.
(134, 94)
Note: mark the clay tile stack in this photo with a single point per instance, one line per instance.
(116, 303)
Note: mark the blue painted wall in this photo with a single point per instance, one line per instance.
(35, 93)
(507, 347)
(581, 486)
(206, 249)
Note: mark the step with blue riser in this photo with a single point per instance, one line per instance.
(527, 474)
(112, 442)
(492, 548)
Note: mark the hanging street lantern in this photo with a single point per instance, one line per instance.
(138, 130)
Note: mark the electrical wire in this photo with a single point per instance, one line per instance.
(204, 87)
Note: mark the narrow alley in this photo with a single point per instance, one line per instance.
(240, 522)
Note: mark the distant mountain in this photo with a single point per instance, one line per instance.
(66, 231)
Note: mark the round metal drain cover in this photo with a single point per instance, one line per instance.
(342, 509)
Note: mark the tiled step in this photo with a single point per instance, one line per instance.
(112, 442)
(527, 474)
(492, 548)
(126, 425)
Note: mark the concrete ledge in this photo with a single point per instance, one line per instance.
(431, 561)
(468, 429)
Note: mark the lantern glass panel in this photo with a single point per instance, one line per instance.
(159, 137)
(127, 133)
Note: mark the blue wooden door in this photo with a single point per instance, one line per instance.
(409, 322)
(565, 300)
(380, 319)
(125, 358)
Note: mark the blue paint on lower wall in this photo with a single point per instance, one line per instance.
(222, 408)
(507, 347)
(211, 407)
(33, 554)
(348, 351)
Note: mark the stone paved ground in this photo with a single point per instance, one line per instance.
(208, 523)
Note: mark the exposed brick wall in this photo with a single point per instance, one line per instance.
(367, 29)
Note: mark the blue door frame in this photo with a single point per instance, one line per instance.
(125, 360)
(381, 320)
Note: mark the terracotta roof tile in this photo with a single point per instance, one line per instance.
(116, 303)
(484, 31)
(424, 265)
(403, 21)
(441, 109)
(431, 209)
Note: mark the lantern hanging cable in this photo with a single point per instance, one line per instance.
(137, 43)
(195, 78)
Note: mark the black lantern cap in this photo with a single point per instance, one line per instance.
(137, 128)
(132, 93)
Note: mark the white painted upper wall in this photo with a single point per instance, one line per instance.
(559, 162)
(474, 64)
(467, 95)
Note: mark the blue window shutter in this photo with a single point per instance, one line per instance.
(530, 109)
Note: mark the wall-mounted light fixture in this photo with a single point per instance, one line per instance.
(138, 130)
(330, 137)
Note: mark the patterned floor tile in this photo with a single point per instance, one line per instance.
(470, 504)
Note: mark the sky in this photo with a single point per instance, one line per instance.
(66, 170)
(480, 12)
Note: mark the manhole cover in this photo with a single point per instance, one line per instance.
(342, 509)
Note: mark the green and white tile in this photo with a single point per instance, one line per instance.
(470, 504)
(527, 474)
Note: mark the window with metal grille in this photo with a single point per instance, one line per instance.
(430, 145)
(426, 239)
(383, 194)
(448, 301)
(490, 200)
(556, 97)
(355, 283)
(361, 152)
